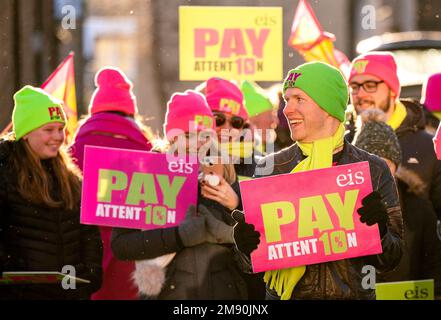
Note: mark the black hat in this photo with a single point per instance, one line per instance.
(377, 137)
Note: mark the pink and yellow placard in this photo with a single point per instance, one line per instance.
(241, 43)
(136, 189)
(310, 217)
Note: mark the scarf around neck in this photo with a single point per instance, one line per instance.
(318, 155)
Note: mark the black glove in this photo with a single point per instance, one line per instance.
(374, 211)
(192, 230)
(245, 235)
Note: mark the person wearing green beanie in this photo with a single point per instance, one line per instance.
(40, 199)
(33, 109)
(316, 97)
(263, 116)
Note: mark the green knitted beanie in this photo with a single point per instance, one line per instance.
(256, 102)
(34, 108)
(324, 84)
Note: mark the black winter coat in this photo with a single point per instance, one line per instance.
(38, 238)
(422, 247)
(419, 153)
(206, 271)
(343, 279)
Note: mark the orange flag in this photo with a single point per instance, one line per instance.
(309, 39)
(61, 85)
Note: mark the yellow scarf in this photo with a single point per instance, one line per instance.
(398, 116)
(437, 114)
(319, 155)
(238, 149)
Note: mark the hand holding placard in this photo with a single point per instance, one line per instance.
(311, 217)
(374, 211)
(245, 235)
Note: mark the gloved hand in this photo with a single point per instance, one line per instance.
(245, 235)
(218, 230)
(192, 231)
(374, 211)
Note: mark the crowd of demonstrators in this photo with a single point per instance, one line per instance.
(431, 101)
(422, 248)
(197, 259)
(208, 255)
(374, 83)
(40, 194)
(316, 97)
(111, 123)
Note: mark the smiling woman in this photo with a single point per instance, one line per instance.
(40, 195)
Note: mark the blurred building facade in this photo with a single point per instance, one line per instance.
(142, 38)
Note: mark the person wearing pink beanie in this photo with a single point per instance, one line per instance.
(113, 93)
(226, 100)
(431, 101)
(374, 83)
(112, 123)
(195, 260)
(187, 112)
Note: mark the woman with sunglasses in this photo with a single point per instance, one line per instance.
(232, 128)
(197, 259)
(227, 103)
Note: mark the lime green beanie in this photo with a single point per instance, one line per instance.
(256, 102)
(324, 84)
(34, 108)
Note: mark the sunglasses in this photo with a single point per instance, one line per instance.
(235, 121)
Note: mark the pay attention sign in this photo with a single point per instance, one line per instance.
(242, 43)
(136, 189)
(310, 217)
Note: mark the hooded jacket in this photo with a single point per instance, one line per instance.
(111, 130)
(343, 279)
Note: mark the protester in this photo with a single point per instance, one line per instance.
(422, 248)
(263, 117)
(199, 255)
(111, 123)
(374, 83)
(316, 98)
(226, 101)
(40, 196)
(431, 101)
(283, 135)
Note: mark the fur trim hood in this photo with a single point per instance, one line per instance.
(413, 181)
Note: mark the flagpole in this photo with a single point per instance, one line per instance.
(5, 130)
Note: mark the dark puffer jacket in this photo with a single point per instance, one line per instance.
(422, 252)
(206, 271)
(38, 238)
(419, 153)
(343, 279)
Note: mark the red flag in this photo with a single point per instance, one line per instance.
(61, 85)
(309, 39)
